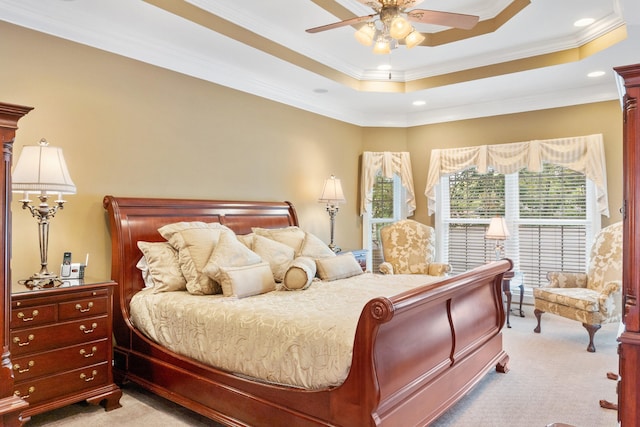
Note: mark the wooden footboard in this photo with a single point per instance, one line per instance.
(415, 354)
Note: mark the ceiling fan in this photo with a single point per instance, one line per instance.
(390, 23)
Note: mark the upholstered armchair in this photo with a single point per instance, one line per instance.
(592, 298)
(408, 247)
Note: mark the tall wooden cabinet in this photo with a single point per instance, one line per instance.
(629, 340)
(10, 405)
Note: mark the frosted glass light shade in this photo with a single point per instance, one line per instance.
(42, 169)
(400, 28)
(413, 39)
(366, 34)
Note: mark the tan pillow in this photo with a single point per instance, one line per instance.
(194, 242)
(338, 267)
(291, 236)
(162, 263)
(277, 254)
(229, 252)
(300, 274)
(313, 247)
(246, 281)
(246, 239)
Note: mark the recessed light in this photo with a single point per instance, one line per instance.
(596, 74)
(321, 90)
(419, 102)
(384, 67)
(583, 22)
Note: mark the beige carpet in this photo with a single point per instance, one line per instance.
(552, 378)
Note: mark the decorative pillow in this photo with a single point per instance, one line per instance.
(278, 255)
(300, 274)
(314, 247)
(246, 239)
(163, 265)
(246, 281)
(291, 236)
(338, 267)
(146, 274)
(229, 252)
(194, 242)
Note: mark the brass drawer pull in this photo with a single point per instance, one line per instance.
(88, 331)
(22, 344)
(21, 315)
(84, 310)
(91, 378)
(26, 396)
(16, 367)
(84, 353)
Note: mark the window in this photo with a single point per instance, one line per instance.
(387, 206)
(552, 217)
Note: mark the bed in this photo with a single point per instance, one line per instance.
(414, 354)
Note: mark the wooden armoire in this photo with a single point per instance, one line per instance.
(10, 405)
(629, 340)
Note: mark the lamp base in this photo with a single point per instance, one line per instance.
(39, 281)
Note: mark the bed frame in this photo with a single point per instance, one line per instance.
(414, 356)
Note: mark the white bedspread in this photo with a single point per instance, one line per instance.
(296, 338)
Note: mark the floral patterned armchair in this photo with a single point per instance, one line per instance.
(592, 298)
(408, 247)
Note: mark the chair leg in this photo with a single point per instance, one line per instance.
(591, 329)
(538, 314)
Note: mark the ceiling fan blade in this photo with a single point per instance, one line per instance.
(341, 23)
(447, 19)
(373, 4)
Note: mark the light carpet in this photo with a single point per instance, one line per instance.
(552, 379)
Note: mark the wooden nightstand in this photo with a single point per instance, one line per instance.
(61, 346)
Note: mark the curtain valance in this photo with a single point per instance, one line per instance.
(583, 154)
(389, 163)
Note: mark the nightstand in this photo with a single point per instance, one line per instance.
(61, 346)
(361, 257)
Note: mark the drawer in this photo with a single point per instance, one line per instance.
(83, 308)
(34, 315)
(48, 337)
(56, 387)
(60, 360)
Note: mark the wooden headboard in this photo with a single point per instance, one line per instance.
(138, 219)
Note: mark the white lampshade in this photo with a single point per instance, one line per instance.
(497, 229)
(400, 28)
(413, 39)
(42, 169)
(366, 34)
(332, 192)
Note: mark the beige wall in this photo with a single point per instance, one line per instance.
(131, 129)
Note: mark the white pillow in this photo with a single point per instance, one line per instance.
(246, 281)
(195, 242)
(229, 252)
(163, 266)
(291, 236)
(300, 274)
(314, 247)
(338, 267)
(278, 255)
(146, 274)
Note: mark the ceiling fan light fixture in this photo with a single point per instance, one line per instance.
(382, 46)
(365, 34)
(413, 39)
(399, 28)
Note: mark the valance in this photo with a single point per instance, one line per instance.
(583, 154)
(389, 163)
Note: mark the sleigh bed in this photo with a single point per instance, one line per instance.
(414, 353)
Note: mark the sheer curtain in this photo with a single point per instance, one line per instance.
(583, 154)
(389, 163)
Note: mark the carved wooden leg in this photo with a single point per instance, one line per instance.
(592, 329)
(501, 366)
(538, 314)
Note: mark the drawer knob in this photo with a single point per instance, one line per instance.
(84, 376)
(88, 331)
(84, 310)
(21, 315)
(22, 344)
(84, 353)
(26, 396)
(16, 367)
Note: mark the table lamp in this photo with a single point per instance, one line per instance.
(499, 232)
(332, 195)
